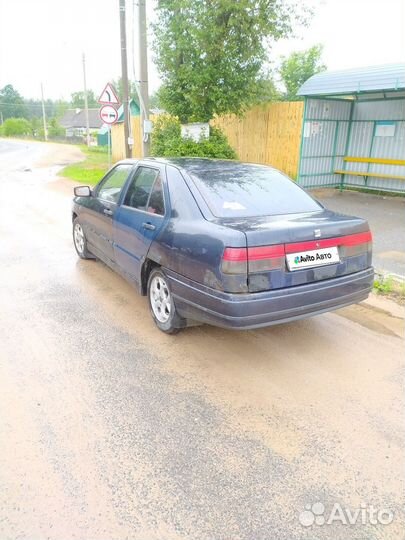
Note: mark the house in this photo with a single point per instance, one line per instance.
(74, 122)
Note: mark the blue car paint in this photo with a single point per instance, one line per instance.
(188, 243)
(134, 231)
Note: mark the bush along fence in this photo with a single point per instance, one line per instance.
(268, 134)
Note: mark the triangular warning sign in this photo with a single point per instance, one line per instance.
(109, 96)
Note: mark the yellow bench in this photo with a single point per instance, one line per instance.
(367, 174)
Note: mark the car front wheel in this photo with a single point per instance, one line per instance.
(161, 303)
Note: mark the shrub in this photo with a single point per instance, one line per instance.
(168, 142)
(55, 129)
(16, 126)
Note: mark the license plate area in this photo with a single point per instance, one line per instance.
(312, 258)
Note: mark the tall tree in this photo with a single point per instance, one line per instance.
(52, 108)
(298, 67)
(77, 99)
(266, 90)
(210, 53)
(132, 93)
(11, 103)
(154, 100)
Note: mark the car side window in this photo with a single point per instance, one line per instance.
(156, 204)
(111, 187)
(146, 191)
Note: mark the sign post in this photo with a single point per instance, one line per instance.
(109, 116)
(109, 146)
(108, 112)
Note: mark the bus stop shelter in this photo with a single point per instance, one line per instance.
(353, 130)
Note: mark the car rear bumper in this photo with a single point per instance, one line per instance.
(254, 310)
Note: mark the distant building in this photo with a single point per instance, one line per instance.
(74, 122)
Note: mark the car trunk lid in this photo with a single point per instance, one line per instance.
(295, 249)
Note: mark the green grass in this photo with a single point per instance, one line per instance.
(91, 169)
(386, 285)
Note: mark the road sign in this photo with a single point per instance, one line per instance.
(109, 96)
(108, 114)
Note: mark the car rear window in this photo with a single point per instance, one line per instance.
(249, 191)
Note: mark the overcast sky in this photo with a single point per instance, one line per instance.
(43, 40)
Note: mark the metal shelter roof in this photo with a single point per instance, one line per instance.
(352, 83)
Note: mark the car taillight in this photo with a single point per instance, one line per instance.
(253, 259)
(356, 244)
(234, 261)
(263, 258)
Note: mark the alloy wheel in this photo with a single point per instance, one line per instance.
(160, 299)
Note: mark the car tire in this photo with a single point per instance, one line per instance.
(79, 241)
(161, 303)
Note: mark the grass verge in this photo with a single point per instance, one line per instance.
(91, 169)
(388, 286)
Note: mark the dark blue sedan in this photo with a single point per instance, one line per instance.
(221, 242)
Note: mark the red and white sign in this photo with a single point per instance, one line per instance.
(108, 114)
(109, 96)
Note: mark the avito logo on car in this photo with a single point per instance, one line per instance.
(312, 258)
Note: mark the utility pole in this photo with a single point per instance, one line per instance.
(143, 75)
(43, 113)
(124, 76)
(86, 104)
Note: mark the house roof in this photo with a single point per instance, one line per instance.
(76, 118)
(133, 107)
(353, 82)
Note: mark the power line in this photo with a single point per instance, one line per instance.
(28, 104)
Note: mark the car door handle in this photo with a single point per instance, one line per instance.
(108, 212)
(149, 226)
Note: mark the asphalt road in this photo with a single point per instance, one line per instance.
(111, 430)
(386, 216)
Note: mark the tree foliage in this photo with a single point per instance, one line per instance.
(52, 108)
(154, 100)
(55, 129)
(77, 100)
(210, 53)
(168, 142)
(298, 67)
(132, 92)
(266, 90)
(15, 126)
(12, 103)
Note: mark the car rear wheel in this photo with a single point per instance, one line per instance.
(79, 240)
(161, 303)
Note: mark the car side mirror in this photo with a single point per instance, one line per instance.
(82, 191)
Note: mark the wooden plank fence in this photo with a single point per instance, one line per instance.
(268, 134)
